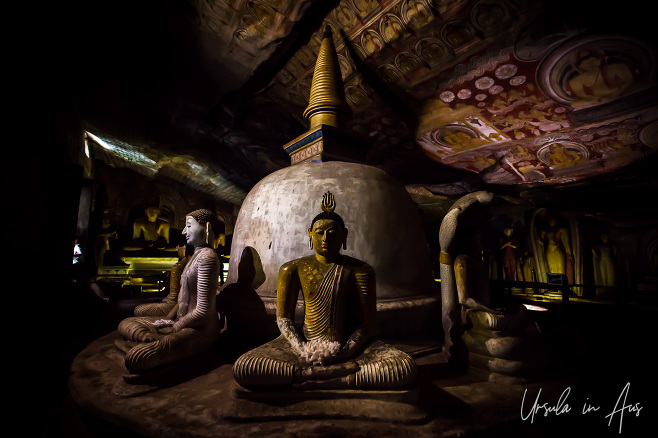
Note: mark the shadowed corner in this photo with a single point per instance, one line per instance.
(242, 311)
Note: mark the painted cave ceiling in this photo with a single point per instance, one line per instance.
(450, 95)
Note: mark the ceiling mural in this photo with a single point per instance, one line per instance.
(498, 89)
(251, 24)
(521, 113)
(517, 93)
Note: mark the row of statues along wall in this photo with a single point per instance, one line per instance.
(553, 244)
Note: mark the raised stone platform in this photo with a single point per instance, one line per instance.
(207, 402)
(383, 406)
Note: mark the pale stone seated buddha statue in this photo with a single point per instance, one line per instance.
(192, 325)
(337, 347)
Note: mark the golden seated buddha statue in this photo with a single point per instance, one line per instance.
(150, 232)
(192, 325)
(336, 347)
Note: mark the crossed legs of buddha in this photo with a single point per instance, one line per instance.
(277, 365)
(148, 349)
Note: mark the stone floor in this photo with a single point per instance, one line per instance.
(596, 352)
(101, 404)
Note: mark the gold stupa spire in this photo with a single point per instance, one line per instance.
(327, 104)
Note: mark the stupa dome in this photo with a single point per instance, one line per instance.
(384, 226)
(385, 231)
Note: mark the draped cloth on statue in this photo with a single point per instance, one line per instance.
(332, 312)
(320, 323)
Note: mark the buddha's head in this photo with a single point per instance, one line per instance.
(508, 231)
(327, 232)
(201, 227)
(152, 213)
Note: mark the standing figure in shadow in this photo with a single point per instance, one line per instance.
(603, 259)
(510, 255)
(337, 346)
(528, 268)
(559, 257)
(192, 325)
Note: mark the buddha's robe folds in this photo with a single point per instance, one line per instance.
(343, 309)
(196, 326)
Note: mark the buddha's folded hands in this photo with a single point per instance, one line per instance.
(322, 372)
(317, 351)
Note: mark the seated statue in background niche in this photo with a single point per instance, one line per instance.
(337, 346)
(457, 35)
(346, 17)
(150, 231)
(371, 44)
(364, 6)
(192, 325)
(417, 14)
(392, 29)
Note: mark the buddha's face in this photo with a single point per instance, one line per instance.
(194, 232)
(152, 213)
(327, 236)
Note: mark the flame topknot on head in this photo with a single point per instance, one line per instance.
(328, 207)
(328, 202)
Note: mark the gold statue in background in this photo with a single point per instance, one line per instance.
(336, 347)
(559, 256)
(150, 233)
(152, 229)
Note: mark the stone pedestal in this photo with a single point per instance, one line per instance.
(206, 401)
(388, 406)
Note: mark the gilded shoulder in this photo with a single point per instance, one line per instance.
(290, 266)
(358, 266)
